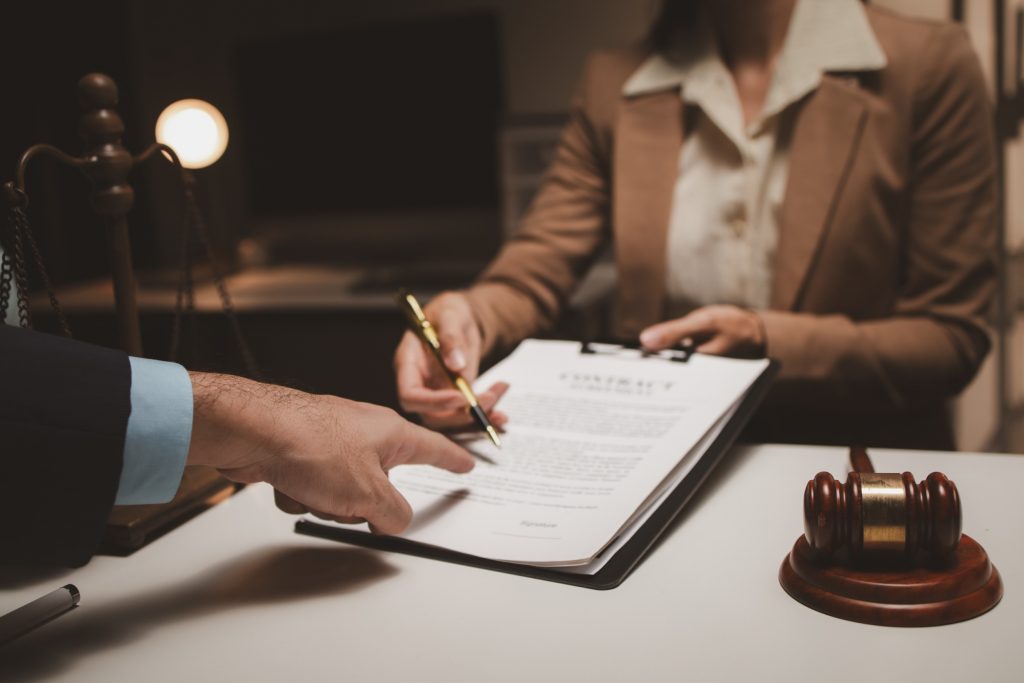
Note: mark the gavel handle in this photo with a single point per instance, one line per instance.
(859, 460)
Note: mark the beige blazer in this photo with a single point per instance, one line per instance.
(884, 270)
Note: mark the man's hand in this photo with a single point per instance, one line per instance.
(322, 454)
(423, 386)
(720, 330)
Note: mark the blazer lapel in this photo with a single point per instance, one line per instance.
(825, 137)
(648, 137)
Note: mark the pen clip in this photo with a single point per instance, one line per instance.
(410, 308)
(417, 319)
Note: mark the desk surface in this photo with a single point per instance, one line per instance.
(307, 288)
(235, 595)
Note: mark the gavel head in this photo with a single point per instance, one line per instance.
(882, 515)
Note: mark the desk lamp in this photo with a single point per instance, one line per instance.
(196, 130)
(198, 133)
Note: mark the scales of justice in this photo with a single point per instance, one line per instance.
(191, 134)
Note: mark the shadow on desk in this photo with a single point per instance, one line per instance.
(716, 479)
(268, 576)
(13, 578)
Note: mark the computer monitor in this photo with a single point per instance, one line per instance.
(370, 132)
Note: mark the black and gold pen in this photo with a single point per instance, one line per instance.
(428, 335)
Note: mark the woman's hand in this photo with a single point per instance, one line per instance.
(423, 386)
(720, 330)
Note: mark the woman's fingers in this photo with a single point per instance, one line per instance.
(441, 402)
(459, 418)
(699, 324)
(722, 330)
(414, 394)
(423, 386)
(716, 346)
(410, 366)
(490, 398)
(430, 401)
(455, 326)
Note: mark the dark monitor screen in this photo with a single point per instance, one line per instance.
(400, 115)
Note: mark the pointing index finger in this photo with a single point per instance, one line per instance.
(421, 446)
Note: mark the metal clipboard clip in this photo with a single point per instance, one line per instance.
(680, 354)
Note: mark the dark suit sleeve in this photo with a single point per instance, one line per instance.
(64, 408)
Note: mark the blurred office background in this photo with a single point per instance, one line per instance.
(373, 144)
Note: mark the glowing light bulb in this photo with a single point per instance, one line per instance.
(195, 130)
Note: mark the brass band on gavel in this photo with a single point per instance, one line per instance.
(882, 514)
(884, 510)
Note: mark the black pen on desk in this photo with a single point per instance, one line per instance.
(428, 335)
(36, 613)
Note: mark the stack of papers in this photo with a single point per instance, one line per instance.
(594, 445)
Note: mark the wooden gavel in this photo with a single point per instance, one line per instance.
(875, 514)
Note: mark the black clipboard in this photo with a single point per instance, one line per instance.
(628, 556)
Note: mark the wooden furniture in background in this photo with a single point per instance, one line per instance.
(132, 526)
(107, 164)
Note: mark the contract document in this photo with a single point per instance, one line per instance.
(595, 444)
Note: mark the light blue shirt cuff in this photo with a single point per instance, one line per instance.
(159, 430)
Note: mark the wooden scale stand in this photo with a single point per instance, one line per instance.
(884, 549)
(107, 165)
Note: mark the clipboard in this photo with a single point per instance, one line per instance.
(628, 556)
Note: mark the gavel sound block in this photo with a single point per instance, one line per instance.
(884, 549)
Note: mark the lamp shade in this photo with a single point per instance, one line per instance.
(195, 130)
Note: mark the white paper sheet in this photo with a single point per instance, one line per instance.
(591, 443)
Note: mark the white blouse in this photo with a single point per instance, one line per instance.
(723, 227)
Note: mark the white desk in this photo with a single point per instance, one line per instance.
(235, 595)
